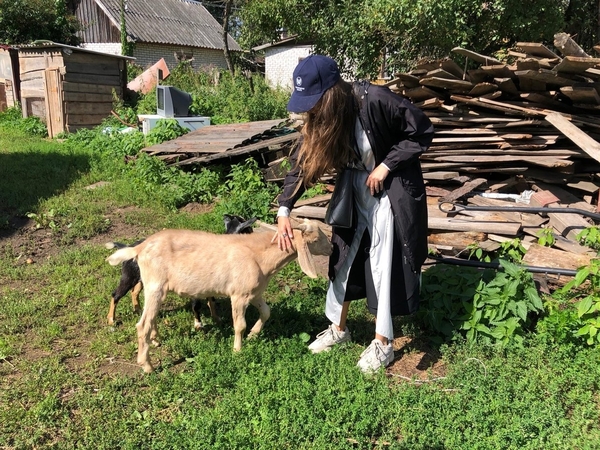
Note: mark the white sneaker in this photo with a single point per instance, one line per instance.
(375, 356)
(328, 338)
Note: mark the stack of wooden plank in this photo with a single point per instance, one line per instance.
(516, 133)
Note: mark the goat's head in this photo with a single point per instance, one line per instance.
(310, 240)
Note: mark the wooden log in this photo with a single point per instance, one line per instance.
(468, 225)
(457, 240)
(567, 46)
(540, 256)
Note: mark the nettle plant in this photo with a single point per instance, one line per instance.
(586, 286)
(495, 307)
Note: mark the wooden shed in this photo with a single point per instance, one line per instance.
(9, 77)
(69, 87)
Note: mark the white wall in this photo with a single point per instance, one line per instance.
(147, 54)
(280, 62)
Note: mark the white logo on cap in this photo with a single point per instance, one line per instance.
(298, 81)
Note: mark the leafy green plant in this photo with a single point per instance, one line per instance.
(475, 251)
(248, 195)
(590, 237)
(491, 306)
(587, 281)
(511, 250)
(44, 220)
(546, 237)
(165, 130)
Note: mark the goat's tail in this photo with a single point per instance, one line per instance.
(115, 245)
(121, 255)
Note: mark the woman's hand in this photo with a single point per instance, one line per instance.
(284, 233)
(375, 179)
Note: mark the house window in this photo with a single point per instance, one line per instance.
(182, 55)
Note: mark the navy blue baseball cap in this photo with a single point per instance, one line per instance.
(312, 77)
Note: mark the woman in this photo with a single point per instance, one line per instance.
(380, 256)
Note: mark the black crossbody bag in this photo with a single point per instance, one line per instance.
(340, 211)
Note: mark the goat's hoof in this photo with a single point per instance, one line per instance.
(252, 335)
(155, 343)
(147, 368)
(198, 325)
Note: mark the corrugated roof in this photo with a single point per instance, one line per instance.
(177, 22)
(50, 44)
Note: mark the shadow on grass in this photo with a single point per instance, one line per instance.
(28, 178)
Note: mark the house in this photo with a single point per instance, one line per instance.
(9, 79)
(69, 87)
(281, 58)
(176, 30)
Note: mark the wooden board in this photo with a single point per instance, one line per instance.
(545, 76)
(444, 83)
(108, 80)
(421, 93)
(477, 57)
(536, 49)
(482, 89)
(575, 134)
(587, 95)
(574, 64)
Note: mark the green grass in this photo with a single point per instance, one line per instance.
(67, 380)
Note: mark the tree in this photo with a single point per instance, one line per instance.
(25, 21)
(359, 33)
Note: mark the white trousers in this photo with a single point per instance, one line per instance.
(376, 216)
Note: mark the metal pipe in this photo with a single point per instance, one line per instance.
(526, 209)
(495, 265)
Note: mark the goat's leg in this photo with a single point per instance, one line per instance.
(212, 306)
(264, 313)
(198, 325)
(135, 294)
(239, 304)
(214, 313)
(111, 310)
(146, 327)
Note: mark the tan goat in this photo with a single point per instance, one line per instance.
(199, 265)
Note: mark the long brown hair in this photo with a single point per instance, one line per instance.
(328, 133)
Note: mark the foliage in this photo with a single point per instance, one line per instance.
(69, 381)
(588, 307)
(31, 125)
(25, 21)
(402, 30)
(510, 250)
(481, 305)
(127, 46)
(248, 194)
(546, 237)
(590, 237)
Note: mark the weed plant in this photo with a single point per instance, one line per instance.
(67, 380)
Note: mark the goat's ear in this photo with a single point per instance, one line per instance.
(305, 258)
(303, 226)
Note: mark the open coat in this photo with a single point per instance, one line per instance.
(399, 133)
